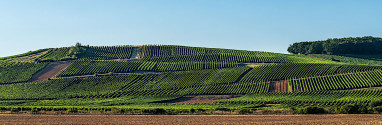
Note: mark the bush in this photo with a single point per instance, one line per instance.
(72, 110)
(154, 111)
(245, 111)
(192, 110)
(310, 110)
(223, 109)
(376, 103)
(348, 109)
(377, 109)
(34, 110)
(14, 110)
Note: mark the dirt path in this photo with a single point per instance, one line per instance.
(279, 86)
(201, 99)
(193, 119)
(49, 71)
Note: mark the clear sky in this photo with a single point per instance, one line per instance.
(267, 25)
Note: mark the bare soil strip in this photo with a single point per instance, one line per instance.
(192, 119)
(201, 99)
(279, 86)
(49, 71)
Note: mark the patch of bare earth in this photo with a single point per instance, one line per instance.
(279, 86)
(49, 71)
(193, 119)
(201, 99)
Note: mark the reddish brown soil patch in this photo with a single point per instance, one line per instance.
(279, 86)
(202, 99)
(192, 119)
(49, 71)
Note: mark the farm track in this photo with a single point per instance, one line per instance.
(193, 119)
(49, 71)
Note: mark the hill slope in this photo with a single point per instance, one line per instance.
(152, 76)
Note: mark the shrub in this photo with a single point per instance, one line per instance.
(155, 111)
(72, 110)
(223, 109)
(192, 110)
(34, 110)
(377, 109)
(310, 110)
(245, 111)
(14, 110)
(348, 109)
(376, 103)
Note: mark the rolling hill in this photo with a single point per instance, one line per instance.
(156, 79)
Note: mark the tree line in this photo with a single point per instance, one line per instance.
(350, 45)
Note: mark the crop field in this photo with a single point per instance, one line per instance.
(170, 80)
(192, 119)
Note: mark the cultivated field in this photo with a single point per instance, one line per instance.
(187, 119)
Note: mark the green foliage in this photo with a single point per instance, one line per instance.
(20, 72)
(357, 45)
(376, 103)
(310, 110)
(377, 109)
(24, 54)
(56, 54)
(106, 52)
(348, 109)
(275, 72)
(72, 110)
(102, 67)
(170, 72)
(170, 53)
(245, 111)
(339, 81)
(350, 59)
(315, 97)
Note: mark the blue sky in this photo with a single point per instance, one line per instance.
(267, 25)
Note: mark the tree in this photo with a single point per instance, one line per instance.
(316, 48)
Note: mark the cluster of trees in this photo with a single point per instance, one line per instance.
(350, 45)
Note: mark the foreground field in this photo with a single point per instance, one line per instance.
(187, 119)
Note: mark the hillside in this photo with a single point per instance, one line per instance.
(154, 79)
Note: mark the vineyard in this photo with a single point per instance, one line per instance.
(144, 78)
